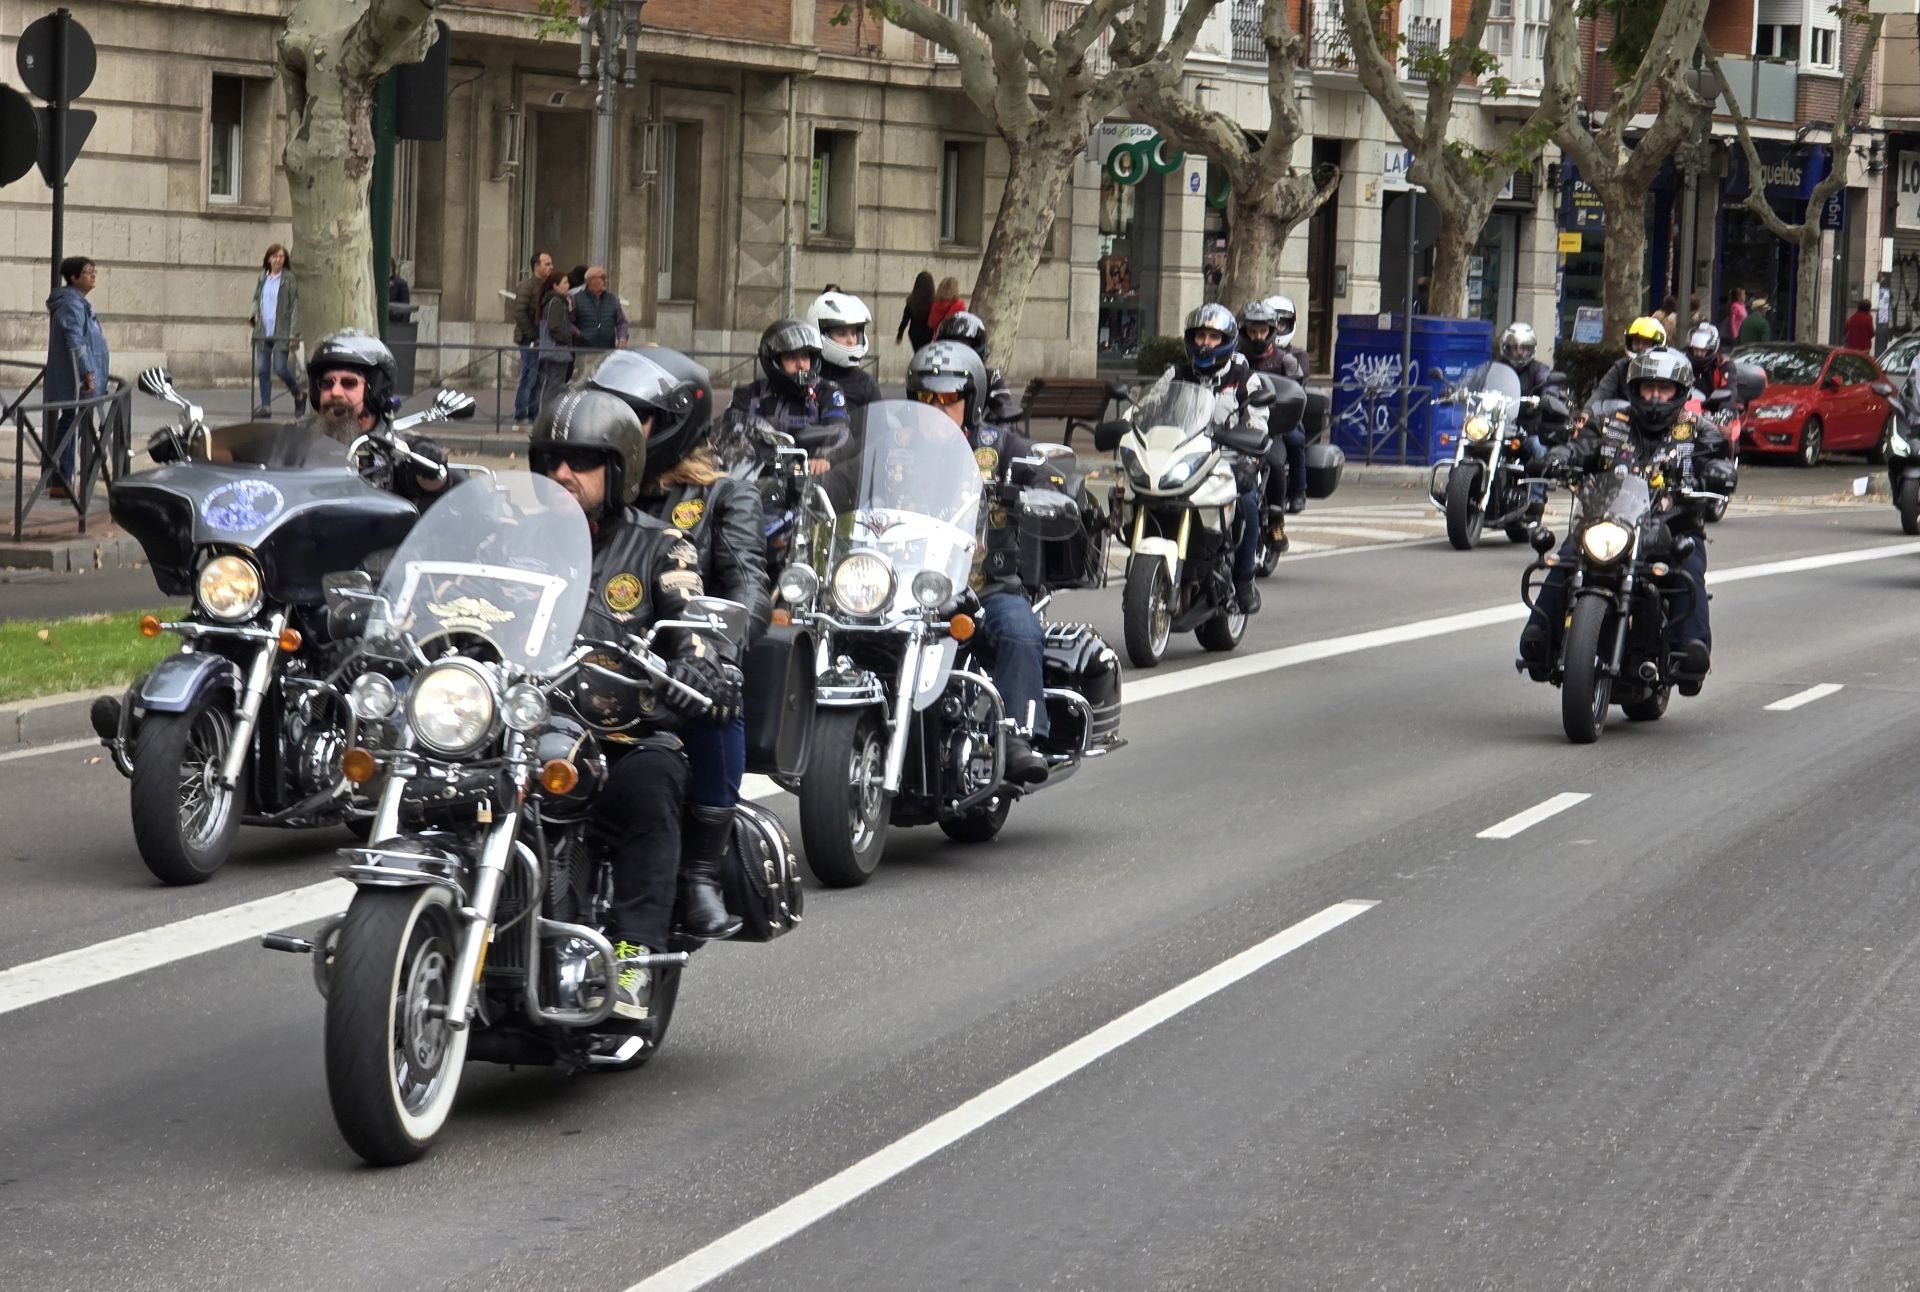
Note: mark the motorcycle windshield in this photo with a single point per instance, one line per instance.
(505, 561)
(1496, 389)
(1180, 406)
(275, 446)
(1620, 495)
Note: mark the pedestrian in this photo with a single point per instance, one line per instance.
(597, 315)
(1668, 315)
(526, 337)
(913, 319)
(1758, 327)
(946, 303)
(275, 330)
(76, 363)
(556, 339)
(1860, 327)
(1736, 312)
(399, 294)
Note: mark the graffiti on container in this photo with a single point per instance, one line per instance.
(1370, 377)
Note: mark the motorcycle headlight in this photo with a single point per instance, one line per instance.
(1136, 469)
(863, 583)
(1181, 469)
(1605, 540)
(229, 588)
(451, 707)
(1477, 428)
(931, 588)
(372, 697)
(798, 586)
(525, 706)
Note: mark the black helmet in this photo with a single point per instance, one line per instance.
(1216, 318)
(785, 337)
(588, 419)
(968, 329)
(666, 386)
(366, 355)
(947, 367)
(1654, 416)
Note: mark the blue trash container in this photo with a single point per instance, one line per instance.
(1368, 355)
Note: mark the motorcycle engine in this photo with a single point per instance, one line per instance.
(316, 763)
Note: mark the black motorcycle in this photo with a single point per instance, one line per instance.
(244, 725)
(1484, 485)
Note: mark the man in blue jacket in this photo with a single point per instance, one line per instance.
(76, 362)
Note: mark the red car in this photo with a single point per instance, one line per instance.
(1818, 400)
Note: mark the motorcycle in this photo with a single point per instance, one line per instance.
(776, 463)
(1903, 453)
(245, 724)
(1484, 483)
(1324, 463)
(1726, 409)
(1184, 505)
(910, 729)
(1613, 645)
(477, 931)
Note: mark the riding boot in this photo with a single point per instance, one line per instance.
(1692, 663)
(1247, 593)
(1536, 651)
(708, 832)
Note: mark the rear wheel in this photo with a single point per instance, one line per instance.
(1909, 502)
(1146, 610)
(1464, 517)
(184, 819)
(1649, 709)
(1587, 691)
(843, 807)
(1812, 438)
(1224, 631)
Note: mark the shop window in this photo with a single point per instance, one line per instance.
(831, 194)
(963, 196)
(239, 124)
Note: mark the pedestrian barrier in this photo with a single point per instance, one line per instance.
(96, 429)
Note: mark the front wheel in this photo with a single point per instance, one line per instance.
(981, 824)
(1909, 503)
(184, 819)
(393, 1063)
(1587, 690)
(1464, 517)
(1811, 439)
(843, 807)
(1146, 610)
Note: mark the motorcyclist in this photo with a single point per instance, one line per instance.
(684, 486)
(1643, 334)
(1712, 368)
(1518, 348)
(949, 376)
(592, 444)
(792, 396)
(1261, 326)
(1213, 361)
(968, 328)
(843, 320)
(1657, 390)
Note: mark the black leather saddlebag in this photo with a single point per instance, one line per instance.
(778, 697)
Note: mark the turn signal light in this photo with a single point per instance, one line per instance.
(1660, 569)
(357, 765)
(961, 626)
(558, 776)
(149, 625)
(290, 640)
(783, 616)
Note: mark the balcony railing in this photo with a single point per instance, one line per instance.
(1060, 15)
(1766, 91)
(1327, 43)
(1248, 47)
(1424, 36)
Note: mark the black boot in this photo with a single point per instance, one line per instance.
(1025, 764)
(1536, 652)
(1248, 595)
(1692, 663)
(299, 403)
(708, 831)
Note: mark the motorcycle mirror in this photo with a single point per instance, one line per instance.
(1884, 389)
(729, 617)
(1107, 436)
(1542, 541)
(156, 382)
(454, 405)
(1749, 382)
(1436, 375)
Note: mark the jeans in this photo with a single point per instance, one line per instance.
(1549, 606)
(270, 360)
(1246, 555)
(526, 396)
(716, 760)
(1019, 670)
(1296, 442)
(637, 819)
(554, 374)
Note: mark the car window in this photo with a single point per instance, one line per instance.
(1786, 365)
(1859, 369)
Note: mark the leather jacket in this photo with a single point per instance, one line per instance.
(727, 527)
(1604, 443)
(824, 406)
(856, 383)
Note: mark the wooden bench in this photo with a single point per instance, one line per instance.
(1079, 401)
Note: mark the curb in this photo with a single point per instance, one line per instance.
(49, 718)
(74, 555)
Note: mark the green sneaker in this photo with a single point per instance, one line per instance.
(633, 989)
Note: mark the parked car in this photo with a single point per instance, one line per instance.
(1818, 399)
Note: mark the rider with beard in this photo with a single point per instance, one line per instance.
(593, 445)
(1213, 362)
(843, 320)
(684, 486)
(350, 378)
(1262, 324)
(1657, 385)
(791, 395)
(970, 330)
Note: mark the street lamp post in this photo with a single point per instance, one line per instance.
(608, 29)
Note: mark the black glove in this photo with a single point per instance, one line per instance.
(418, 476)
(715, 679)
(164, 446)
(1719, 476)
(1558, 464)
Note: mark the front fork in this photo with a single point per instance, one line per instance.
(259, 675)
(902, 716)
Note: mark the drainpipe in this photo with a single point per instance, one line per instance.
(793, 131)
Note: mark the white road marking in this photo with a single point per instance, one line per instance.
(1808, 696)
(1369, 532)
(65, 746)
(735, 1249)
(1532, 816)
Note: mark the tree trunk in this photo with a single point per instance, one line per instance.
(1447, 283)
(1622, 285)
(1806, 297)
(1257, 235)
(1036, 173)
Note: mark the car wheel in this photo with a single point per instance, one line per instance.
(1811, 437)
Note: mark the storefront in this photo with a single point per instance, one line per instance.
(1583, 254)
(1902, 277)
(1750, 256)
(1131, 185)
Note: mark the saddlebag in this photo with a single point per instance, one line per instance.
(1066, 547)
(1325, 462)
(760, 877)
(1075, 659)
(778, 698)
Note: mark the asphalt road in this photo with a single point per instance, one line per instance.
(1662, 1038)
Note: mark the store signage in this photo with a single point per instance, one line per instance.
(1571, 243)
(1833, 211)
(1906, 190)
(1395, 161)
(1127, 153)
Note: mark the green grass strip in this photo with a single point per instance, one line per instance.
(49, 656)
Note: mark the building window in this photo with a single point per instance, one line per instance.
(1820, 43)
(830, 190)
(226, 138)
(963, 182)
(1777, 40)
(677, 247)
(1499, 40)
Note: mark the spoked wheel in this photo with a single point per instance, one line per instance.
(981, 824)
(843, 807)
(393, 1063)
(184, 819)
(1716, 511)
(1146, 610)
(1910, 506)
(1464, 517)
(1811, 440)
(1587, 691)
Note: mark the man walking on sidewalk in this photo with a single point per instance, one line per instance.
(526, 335)
(76, 364)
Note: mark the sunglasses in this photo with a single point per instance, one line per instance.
(944, 398)
(579, 461)
(343, 380)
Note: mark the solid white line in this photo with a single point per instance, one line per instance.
(735, 1249)
(1807, 696)
(63, 747)
(1532, 816)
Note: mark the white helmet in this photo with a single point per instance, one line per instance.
(836, 309)
(1284, 330)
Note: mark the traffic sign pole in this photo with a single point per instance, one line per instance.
(62, 19)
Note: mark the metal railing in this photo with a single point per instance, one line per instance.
(1060, 15)
(1327, 44)
(1424, 36)
(1379, 419)
(96, 429)
(1244, 22)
